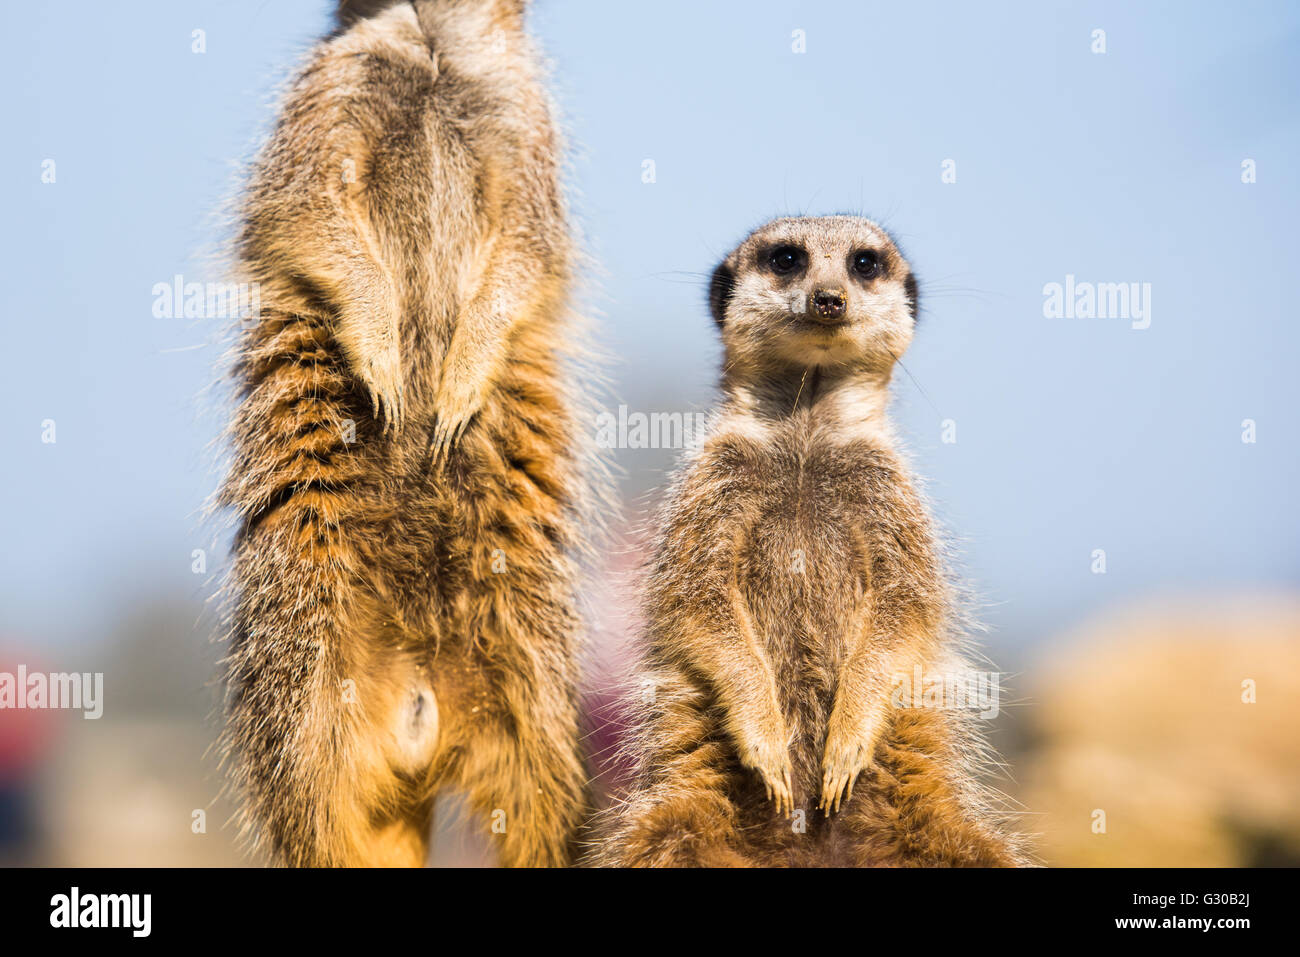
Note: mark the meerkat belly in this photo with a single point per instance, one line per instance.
(799, 582)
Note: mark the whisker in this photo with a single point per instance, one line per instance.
(914, 382)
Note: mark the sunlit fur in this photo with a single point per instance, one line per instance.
(406, 475)
(795, 574)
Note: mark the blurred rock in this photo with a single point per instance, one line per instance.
(1142, 717)
(124, 793)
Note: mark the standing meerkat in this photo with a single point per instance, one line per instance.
(794, 576)
(406, 477)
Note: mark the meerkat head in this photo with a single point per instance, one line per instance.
(831, 291)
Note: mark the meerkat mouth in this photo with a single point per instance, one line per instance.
(823, 326)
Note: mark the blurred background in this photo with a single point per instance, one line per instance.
(1122, 500)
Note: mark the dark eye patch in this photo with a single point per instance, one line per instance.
(786, 259)
(866, 264)
(721, 286)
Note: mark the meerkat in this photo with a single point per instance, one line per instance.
(407, 482)
(795, 573)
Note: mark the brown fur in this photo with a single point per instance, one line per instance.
(796, 573)
(404, 601)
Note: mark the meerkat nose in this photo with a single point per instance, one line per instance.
(829, 303)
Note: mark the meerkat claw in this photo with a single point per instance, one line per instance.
(778, 790)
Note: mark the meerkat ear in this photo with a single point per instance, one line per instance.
(721, 287)
(350, 11)
(913, 295)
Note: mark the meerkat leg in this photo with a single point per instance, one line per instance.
(520, 274)
(334, 729)
(884, 623)
(681, 813)
(747, 690)
(687, 820)
(519, 754)
(366, 327)
(522, 770)
(915, 812)
(311, 223)
(858, 716)
(710, 622)
(521, 766)
(331, 719)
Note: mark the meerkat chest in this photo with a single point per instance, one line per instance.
(804, 563)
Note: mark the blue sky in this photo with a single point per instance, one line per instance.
(1072, 434)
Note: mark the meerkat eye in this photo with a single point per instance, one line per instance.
(787, 259)
(866, 263)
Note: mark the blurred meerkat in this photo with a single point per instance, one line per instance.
(794, 576)
(406, 476)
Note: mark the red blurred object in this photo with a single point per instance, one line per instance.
(25, 733)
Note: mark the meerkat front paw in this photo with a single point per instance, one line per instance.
(768, 754)
(454, 407)
(367, 332)
(381, 373)
(849, 749)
